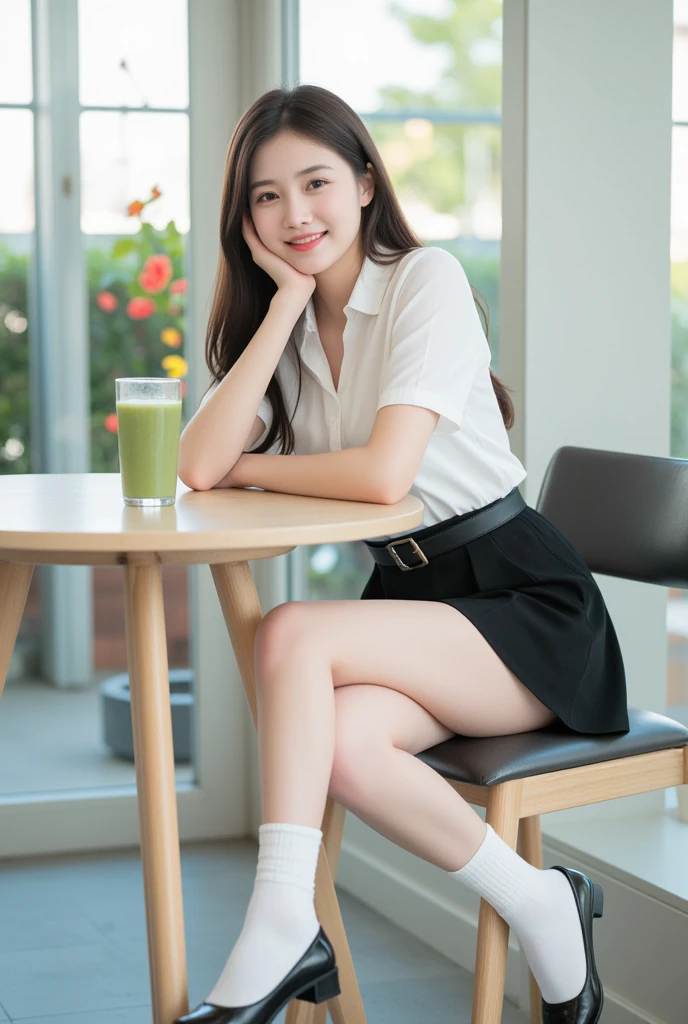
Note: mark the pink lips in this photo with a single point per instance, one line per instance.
(309, 245)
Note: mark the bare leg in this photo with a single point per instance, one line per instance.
(242, 612)
(464, 687)
(305, 651)
(377, 777)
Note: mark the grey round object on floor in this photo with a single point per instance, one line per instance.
(116, 705)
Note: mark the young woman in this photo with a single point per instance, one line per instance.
(386, 387)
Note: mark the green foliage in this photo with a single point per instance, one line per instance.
(14, 364)
(465, 83)
(435, 168)
(120, 345)
(432, 169)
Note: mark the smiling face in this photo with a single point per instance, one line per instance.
(325, 201)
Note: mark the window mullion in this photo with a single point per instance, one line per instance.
(61, 390)
(290, 42)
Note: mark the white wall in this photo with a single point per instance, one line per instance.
(585, 256)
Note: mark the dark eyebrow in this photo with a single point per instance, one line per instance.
(299, 174)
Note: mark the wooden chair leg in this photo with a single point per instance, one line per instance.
(14, 586)
(333, 828)
(241, 609)
(530, 848)
(503, 807)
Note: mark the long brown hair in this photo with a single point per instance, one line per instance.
(243, 290)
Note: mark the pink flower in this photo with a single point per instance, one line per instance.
(178, 287)
(139, 309)
(106, 301)
(156, 273)
(111, 422)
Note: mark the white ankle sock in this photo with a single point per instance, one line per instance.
(280, 921)
(539, 906)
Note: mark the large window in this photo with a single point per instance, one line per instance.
(126, 120)
(428, 88)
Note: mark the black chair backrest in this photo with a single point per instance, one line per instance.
(626, 515)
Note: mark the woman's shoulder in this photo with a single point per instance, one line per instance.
(429, 263)
(433, 256)
(430, 269)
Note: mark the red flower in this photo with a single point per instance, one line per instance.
(156, 273)
(111, 422)
(139, 309)
(178, 286)
(106, 301)
(155, 192)
(134, 208)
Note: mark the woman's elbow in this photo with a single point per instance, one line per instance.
(193, 479)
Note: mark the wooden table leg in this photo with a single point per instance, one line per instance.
(157, 799)
(241, 609)
(14, 586)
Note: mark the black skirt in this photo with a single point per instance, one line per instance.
(534, 600)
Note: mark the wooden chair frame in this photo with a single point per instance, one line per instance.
(513, 810)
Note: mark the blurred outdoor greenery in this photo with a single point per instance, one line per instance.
(136, 300)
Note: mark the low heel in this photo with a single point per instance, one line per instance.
(325, 988)
(597, 901)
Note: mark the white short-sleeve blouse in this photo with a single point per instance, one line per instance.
(413, 337)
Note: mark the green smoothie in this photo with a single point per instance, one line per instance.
(148, 435)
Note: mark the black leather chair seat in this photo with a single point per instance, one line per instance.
(489, 760)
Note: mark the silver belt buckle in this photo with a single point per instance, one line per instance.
(395, 556)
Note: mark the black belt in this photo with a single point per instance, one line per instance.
(484, 521)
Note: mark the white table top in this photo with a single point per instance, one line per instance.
(85, 512)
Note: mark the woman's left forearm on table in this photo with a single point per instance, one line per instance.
(351, 474)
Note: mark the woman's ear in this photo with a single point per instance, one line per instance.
(369, 186)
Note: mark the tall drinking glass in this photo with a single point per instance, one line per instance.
(149, 417)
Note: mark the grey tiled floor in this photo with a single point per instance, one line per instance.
(73, 943)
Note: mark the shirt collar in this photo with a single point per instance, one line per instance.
(367, 293)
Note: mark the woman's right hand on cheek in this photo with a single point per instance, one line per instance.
(281, 272)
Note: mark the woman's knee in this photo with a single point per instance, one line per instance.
(280, 630)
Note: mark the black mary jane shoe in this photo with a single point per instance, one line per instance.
(586, 1007)
(314, 979)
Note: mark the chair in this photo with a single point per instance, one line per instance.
(626, 515)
